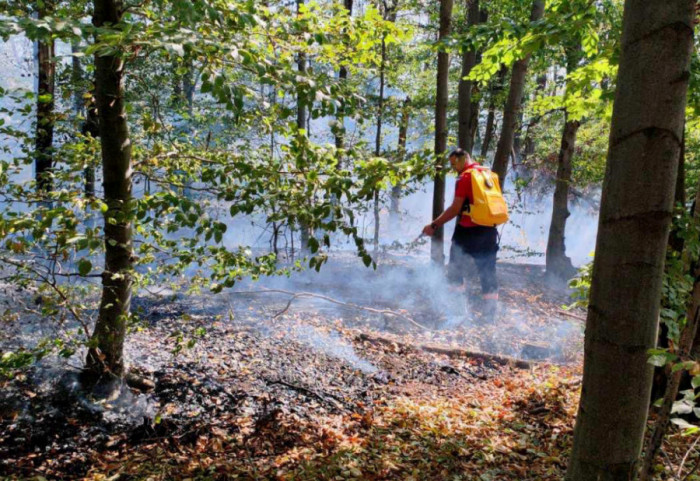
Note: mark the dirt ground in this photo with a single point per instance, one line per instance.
(249, 385)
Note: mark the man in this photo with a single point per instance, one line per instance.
(469, 239)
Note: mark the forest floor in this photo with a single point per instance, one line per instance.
(270, 389)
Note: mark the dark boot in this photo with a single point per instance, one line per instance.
(489, 311)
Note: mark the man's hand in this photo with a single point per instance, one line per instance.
(428, 230)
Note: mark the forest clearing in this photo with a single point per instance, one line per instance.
(224, 246)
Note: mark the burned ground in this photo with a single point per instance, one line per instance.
(308, 394)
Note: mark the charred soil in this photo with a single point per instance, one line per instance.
(244, 392)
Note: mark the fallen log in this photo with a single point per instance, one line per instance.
(448, 351)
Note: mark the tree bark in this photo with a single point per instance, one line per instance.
(45, 107)
(89, 125)
(558, 265)
(105, 356)
(636, 209)
(676, 244)
(400, 155)
(302, 125)
(76, 76)
(437, 251)
(378, 136)
(512, 108)
(683, 351)
(340, 117)
(465, 106)
(557, 262)
(495, 88)
(529, 143)
(188, 86)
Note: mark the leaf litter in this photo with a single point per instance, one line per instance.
(309, 395)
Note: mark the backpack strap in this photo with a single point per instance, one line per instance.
(465, 205)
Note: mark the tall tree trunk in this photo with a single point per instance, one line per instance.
(437, 251)
(495, 88)
(105, 355)
(512, 108)
(529, 143)
(400, 155)
(389, 14)
(76, 77)
(301, 124)
(488, 130)
(340, 117)
(465, 112)
(683, 351)
(89, 125)
(378, 137)
(636, 208)
(675, 239)
(45, 106)
(675, 245)
(557, 262)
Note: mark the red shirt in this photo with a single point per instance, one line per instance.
(463, 188)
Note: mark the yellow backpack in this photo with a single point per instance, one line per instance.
(489, 207)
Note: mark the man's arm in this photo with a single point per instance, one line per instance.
(450, 213)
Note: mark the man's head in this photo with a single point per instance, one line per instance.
(459, 159)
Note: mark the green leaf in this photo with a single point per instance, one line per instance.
(84, 267)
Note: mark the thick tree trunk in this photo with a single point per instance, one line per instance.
(105, 356)
(495, 88)
(437, 251)
(464, 102)
(44, 108)
(400, 155)
(558, 264)
(512, 108)
(636, 208)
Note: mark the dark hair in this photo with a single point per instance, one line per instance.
(459, 153)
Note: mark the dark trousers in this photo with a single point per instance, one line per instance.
(481, 244)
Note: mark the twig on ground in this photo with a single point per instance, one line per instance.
(669, 463)
(571, 314)
(685, 458)
(331, 399)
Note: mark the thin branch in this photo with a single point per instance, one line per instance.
(685, 458)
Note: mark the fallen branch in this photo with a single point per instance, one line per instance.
(451, 352)
(297, 295)
(334, 401)
(571, 314)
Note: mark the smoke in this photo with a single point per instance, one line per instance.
(330, 344)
